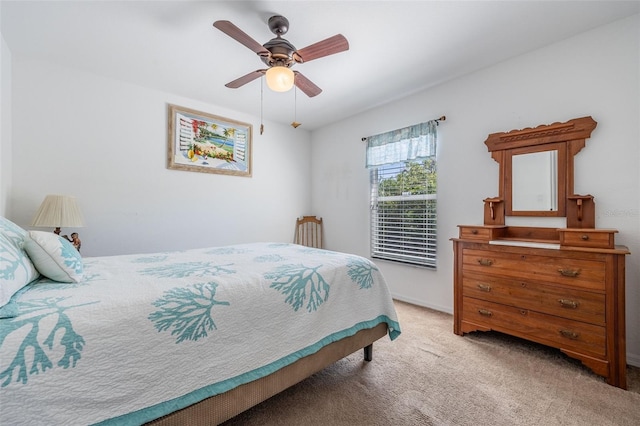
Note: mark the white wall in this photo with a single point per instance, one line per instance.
(5, 125)
(596, 74)
(105, 142)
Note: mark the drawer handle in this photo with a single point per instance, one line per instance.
(485, 312)
(485, 262)
(585, 237)
(565, 303)
(474, 231)
(569, 334)
(569, 272)
(484, 287)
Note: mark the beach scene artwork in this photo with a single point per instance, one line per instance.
(207, 143)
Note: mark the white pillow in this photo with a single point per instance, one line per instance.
(54, 256)
(16, 269)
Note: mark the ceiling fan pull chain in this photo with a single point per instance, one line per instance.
(261, 103)
(295, 123)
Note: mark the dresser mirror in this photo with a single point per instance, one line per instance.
(536, 170)
(534, 183)
(535, 180)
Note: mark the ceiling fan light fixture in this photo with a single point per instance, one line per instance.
(279, 78)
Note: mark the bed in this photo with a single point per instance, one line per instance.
(184, 337)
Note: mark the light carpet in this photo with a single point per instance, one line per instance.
(430, 376)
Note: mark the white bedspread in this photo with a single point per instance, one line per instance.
(145, 335)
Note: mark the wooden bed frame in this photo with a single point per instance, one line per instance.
(220, 408)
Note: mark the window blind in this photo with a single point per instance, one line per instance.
(403, 212)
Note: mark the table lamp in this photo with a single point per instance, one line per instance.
(57, 211)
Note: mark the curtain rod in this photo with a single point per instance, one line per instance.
(437, 120)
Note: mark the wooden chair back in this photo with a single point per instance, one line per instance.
(308, 231)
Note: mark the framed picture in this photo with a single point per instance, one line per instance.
(201, 142)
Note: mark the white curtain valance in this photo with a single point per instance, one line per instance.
(410, 143)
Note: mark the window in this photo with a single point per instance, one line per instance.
(403, 212)
(403, 194)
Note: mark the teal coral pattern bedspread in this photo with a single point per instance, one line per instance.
(144, 335)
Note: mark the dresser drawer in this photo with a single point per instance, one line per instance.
(550, 299)
(546, 329)
(600, 238)
(475, 233)
(575, 272)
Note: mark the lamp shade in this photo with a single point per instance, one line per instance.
(280, 79)
(58, 211)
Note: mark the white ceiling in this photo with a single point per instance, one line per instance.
(396, 47)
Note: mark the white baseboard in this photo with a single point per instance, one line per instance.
(633, 360)
(421, 303)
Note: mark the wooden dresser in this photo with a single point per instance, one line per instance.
(568, 297)
(561, 287)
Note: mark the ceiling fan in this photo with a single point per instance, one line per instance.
(280, 55)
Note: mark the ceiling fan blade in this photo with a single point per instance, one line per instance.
(245, 79)
(336, 44)
(306, 85)
(240, 36)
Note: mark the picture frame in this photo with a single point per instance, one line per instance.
(207, 143)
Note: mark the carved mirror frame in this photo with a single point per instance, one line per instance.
(568, 139)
